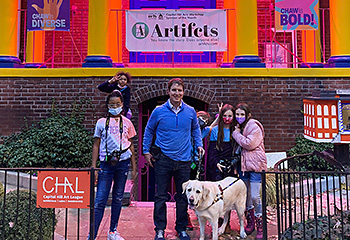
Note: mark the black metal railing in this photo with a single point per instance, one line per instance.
(311, 204)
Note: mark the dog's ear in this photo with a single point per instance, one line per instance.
(205, 191)
(184, 186)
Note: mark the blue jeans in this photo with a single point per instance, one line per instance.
(108, 173)
(253, 182)
(165, 169)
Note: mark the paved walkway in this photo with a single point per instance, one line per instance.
(136, 223)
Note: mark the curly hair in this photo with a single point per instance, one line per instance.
(126, 74)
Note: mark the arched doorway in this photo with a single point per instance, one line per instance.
(146, 182)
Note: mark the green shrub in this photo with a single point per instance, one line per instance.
(303, 146)
(312, 162)
(57, 141)
(16, 217)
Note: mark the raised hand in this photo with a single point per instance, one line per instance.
(220, 106)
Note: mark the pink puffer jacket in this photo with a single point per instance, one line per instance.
(253, 150)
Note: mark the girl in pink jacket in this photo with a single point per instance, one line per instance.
(249, 134)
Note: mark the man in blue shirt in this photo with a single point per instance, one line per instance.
(174, 124)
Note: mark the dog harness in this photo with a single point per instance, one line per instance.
(220, 196)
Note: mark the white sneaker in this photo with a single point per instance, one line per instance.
(114, 236)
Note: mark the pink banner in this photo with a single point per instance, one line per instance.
(296, 14)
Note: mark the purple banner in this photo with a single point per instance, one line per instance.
(48, 15)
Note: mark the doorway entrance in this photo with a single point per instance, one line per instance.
(146, 181)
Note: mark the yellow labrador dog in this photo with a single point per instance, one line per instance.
(212, 200)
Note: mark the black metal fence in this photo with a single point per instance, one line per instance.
(21, 219)
(312, 197)
(309, 204)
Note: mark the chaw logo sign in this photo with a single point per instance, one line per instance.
(63, 189)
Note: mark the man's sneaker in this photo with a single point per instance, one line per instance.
(159, 235)
(183, 235)
(114, 236)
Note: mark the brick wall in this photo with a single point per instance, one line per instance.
(266, 21)
(69, 47)
(276, 102)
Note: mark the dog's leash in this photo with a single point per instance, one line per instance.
(220, 196)
(199, 166)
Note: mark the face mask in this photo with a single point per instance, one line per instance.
(227, 120)
(115, 111)
(240, 120)
(202, 123)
